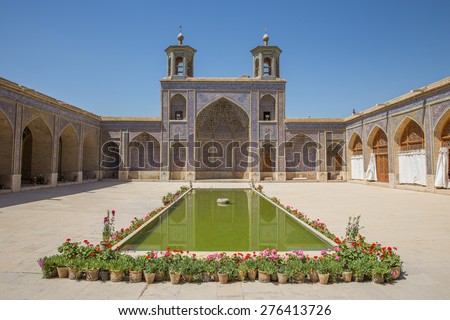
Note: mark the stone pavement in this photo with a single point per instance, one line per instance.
(35, 223)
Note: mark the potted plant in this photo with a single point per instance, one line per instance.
(49, 266)
(116, 269)
(313, 274)
(282, 272)
(380, 271)
(61, 266)
(249, 265)
(210, 267)
(336, 269)
(150, 270)
(266, 267)
(352, 230)
(136, 269)
(91, 267)
(74, 268)
(393, 260)
(360, 268)
(323, 268)
(108, 229)
(175, 271)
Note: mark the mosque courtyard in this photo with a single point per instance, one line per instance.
(34, 223)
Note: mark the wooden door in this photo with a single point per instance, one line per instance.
(382, 167)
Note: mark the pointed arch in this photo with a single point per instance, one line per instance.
(409, 135)
(68, 163)
(301, 153)
(6, 150)
(90, 165)
(441, 137)
(36, 152)
(144, 152)
(267, 105)
(377, 143)
(111, 159)
(356, 156)
(222, 127)
(177, 107)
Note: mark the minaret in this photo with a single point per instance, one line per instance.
(266, 60)
(180, 59)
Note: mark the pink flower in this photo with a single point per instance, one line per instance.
(338, 258)
(323, 252)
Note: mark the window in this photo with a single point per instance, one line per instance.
(267, 66)
(256, 68)
(179, 66)
(267, 115)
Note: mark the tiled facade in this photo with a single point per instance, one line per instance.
(210, 128)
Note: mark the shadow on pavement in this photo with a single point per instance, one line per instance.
(12, 199)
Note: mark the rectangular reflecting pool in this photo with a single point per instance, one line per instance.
(248, 223)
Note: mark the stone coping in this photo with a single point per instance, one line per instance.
(206, 253)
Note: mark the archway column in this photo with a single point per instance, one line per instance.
(16, 177)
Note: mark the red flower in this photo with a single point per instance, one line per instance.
(113, 212)
(128, 249)
(92, 254)
(389, 249)
(86, 242)
(68, 240)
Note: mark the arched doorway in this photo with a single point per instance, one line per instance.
(37, 149)
(144, 151)
(356, 158)
(90, 157)
(222, 130)
(6, 152)
(410, 152)
(267, 158)
(68, 167)
(380, 150)
(445, 142)
(111, 160)
(301, 158)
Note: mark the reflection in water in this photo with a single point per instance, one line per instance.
(249, 223)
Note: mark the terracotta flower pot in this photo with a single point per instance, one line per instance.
(72, 273)
(175, 278)
(92, 274)
(282, 278)
(263, 276)
(395, 271)
(63, 272)
(241, 275)
(116, 276)
(313, 276)
(299, 278)
(159, 276)
(252, 274)
(206, 277)
(347, 276)
(104, 275)
(323, 278)
(223, 278)
(135, 276)
(274, 277)
(149, 277)
(378, 278)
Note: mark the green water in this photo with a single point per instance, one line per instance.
(249, 223)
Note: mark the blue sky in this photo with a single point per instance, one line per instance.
(108, 56)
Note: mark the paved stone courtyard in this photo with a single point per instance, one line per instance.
(35, 223)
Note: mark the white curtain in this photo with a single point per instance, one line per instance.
(357, 167)
(371, 173)
(441, 180)
(412, 167)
